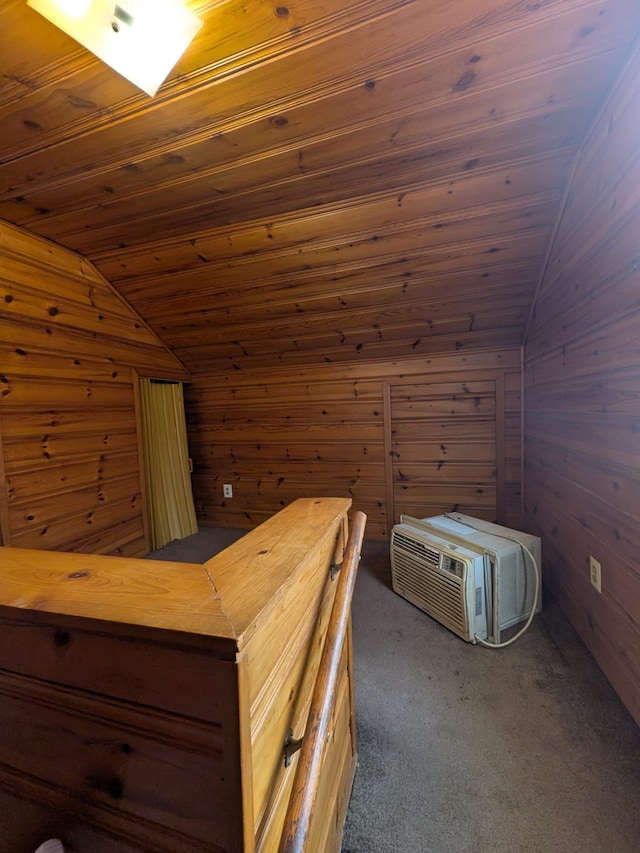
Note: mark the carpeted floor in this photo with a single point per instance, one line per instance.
(468, 750)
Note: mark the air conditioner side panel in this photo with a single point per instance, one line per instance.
(516, 578)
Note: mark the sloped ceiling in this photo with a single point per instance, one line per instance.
(318, 181)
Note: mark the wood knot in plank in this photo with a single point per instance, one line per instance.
(465, 81)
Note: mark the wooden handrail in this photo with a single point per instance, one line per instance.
(314, 743)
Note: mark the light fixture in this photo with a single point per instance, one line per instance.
(140, 39)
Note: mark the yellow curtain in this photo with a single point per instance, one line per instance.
(172, 512)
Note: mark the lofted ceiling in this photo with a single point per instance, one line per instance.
(316, 181)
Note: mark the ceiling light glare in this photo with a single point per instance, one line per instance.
(140, 39)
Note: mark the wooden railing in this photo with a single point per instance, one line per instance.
(315, 740)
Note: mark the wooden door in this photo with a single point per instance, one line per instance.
(441, 448)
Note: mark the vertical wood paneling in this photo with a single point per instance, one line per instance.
(67, 419)
(582, 375)
(278, 435)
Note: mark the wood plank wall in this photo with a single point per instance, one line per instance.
(68, 435)
(582, 369)
(282, 434)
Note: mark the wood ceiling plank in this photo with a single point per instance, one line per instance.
(435, 366)
(51, 54)
(531, 43)
(197, 359)
(235, 34)
(243, 94)
(369, 217)
(327, 127)
(385, 154)
(314, 184)
(490, 226)
(472, 268)
(423, 303)
(358, 335)
(473, 260)
(357, 331)
(360, 329)
(401, 286)
(395, 174)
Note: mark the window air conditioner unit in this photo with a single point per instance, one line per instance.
(475, 577)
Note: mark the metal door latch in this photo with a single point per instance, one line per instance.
(291, 746)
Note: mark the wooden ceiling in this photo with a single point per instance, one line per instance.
(315, 182)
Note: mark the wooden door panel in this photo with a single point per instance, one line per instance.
(442, 442)
(452, 430)
(442, 451)
(429, 473)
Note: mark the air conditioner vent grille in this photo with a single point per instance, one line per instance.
(430, 556)
(418, 577)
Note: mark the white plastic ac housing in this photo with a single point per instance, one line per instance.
(467, 573)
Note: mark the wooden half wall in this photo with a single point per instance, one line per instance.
(69, 349)
(582, 412)
(326, 430)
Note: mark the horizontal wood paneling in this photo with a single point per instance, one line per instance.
(582, 445)
(434, 58)
(278, 435)
(431, 417)
(272, 208)
(68, 422)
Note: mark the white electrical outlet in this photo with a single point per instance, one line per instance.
(227, 490)
(595, 571)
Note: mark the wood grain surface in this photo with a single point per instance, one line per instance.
(145, 704)
(315, 182)
(276, 435)
(68, 348)
(582, 442)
